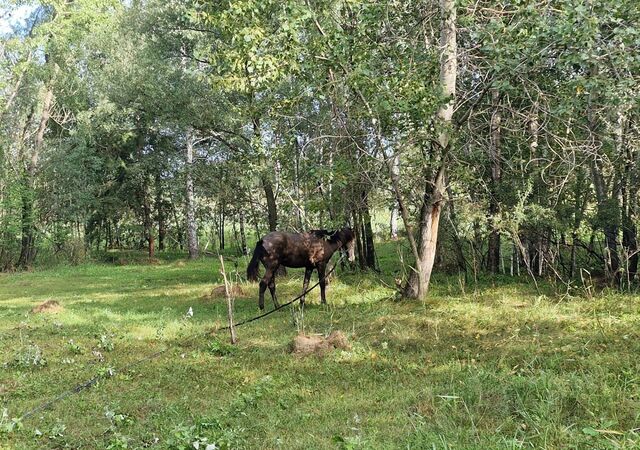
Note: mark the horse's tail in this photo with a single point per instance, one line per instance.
(252, 268)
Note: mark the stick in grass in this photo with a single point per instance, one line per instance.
(227, 292)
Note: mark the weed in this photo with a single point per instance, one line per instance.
(57, 431)
(29, 357)
(217, 432)
(219, 348)
(116, 419)
(105, 342)
(7, 425)
(118, 441)
(74, 348)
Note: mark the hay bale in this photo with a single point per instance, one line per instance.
(49, 306)
(219, 291)
(305, 345)
(319, 345)
(338, 340)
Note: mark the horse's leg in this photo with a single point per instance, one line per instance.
(305, 284)
(263, 286)
(323, 283)
(272, 288)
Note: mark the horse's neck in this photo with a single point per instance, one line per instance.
(331, 248)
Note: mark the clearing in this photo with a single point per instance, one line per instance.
(498, 366)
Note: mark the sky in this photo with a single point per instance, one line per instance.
(13, 17)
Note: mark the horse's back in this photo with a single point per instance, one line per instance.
(293, 249)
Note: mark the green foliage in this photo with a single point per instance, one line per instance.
(29, 357)
(217, 431)
(8, 426)
(220, 348)
(105, 342)
(311, 98)
(74, 348)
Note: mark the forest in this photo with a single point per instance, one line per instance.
(485, 155)
(180, 126)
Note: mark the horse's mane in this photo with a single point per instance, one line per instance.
(333, 236)
(322, 233)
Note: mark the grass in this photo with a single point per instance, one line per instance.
(496, 366)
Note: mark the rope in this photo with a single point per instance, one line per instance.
(87, 384)
(285, 304)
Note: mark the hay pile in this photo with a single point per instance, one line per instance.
(219, 292)
(50, 306)
(319, 345)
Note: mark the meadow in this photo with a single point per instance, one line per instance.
(493, 364)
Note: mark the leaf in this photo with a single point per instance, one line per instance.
(590, 431)
(619, 433)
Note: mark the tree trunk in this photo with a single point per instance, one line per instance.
(221, 227)
(192, 227)
(418, 283)
(493, 256)
(607, 202)
(630, 244)
(272, 212)
(27, 250)
(357, 230)
(298, 191)
(460, 259)
(367, 231)
(243, 235)
(393, 221)
(148, 222)
(160, 210)
(579, 205)
(629, 191)
(152, 249)
(267, 184)
(27, 245)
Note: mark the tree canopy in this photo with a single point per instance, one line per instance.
(503, 135)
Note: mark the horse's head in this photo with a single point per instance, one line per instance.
(346, 237)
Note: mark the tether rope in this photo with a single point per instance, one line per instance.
(111, 372)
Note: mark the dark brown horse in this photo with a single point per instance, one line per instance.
(311, 250)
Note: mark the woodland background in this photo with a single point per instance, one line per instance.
(201, 125)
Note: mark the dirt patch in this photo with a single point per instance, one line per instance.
(50, 306)
(219, 292)
(181, 264)
(319, 345)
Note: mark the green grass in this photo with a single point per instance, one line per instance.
(496, 366)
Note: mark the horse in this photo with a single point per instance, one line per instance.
(311, 250)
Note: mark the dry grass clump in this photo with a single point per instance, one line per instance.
(219, 291)
(318, 344)
(49, 306)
